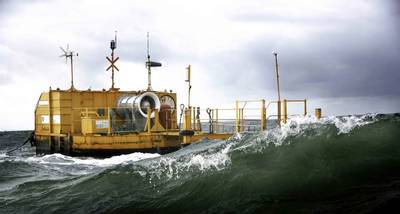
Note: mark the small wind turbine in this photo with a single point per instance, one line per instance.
(69, 54)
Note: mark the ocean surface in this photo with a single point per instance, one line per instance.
(347, 164)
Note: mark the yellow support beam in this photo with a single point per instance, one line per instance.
(279, 113)
(318, 113)
(148, 121)
(305, 107)
(263, 115)
(285, 116)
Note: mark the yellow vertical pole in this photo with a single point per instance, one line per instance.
(285, 111)
(318, 113)
(216, 120)
(187, 120)
(109, 121)
(50, 113)
(237, 116)
(148, 121)
(50, 118)
(194, 118)
(266, 121)
(305, 107)
(72, 114)
(279, 113)
(262, 114)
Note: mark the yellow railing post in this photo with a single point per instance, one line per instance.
(263, 114)
(285, 111)
(188, 119)
(237, 116)
(305, 107)
(279, 113)
(318, 113)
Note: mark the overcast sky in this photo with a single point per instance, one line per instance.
(343, 56)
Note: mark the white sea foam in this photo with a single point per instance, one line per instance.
(344, 124)
(216, 160)
(298, 125)
(176, 165)
(59, 159)
(2, 157)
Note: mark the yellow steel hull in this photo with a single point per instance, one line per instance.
(104, 145)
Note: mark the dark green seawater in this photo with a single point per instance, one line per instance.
(336, 165)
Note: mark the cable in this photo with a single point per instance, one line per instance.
(29, 139)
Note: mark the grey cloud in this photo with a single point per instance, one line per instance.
(358, 58)
(326, 65)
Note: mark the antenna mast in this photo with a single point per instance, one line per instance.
(189, 84)
(69, 54)
(279, 92)
(150, 64)
(113, 46)
(277, 74)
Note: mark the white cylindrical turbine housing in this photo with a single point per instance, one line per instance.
(140, 103)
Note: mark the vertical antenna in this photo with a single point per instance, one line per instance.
(115, 39)
(189, 84)
(277, 74)
(277, 83)
(148, 65)
(148, 47)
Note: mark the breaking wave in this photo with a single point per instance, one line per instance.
(341, 164)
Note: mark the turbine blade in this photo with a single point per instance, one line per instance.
(63, 49)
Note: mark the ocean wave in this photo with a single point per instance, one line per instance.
(309, 165)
